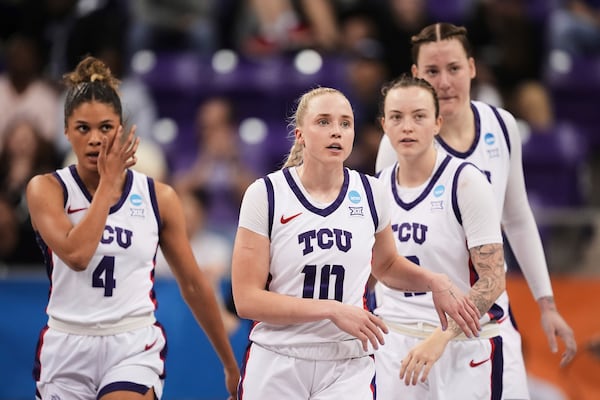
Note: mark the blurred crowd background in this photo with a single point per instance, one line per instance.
(210, 85)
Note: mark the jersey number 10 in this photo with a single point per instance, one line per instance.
(310, 278)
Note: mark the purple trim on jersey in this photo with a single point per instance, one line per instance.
(64, 187)
(455, 191)
(271, 202)
(370, 200)
(430, 185)
(324, 212)
(374, 380)
(495, 312)
(127, 386)
(46, 253)
(471, 149)
(164, 351)
(37, 364)
(497, 360)
(154, 201)
(240, 393)
(80, 183)
(502, 126)
(125, 193)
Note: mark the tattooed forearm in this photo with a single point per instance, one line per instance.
(488, 261)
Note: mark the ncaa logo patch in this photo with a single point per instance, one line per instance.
(135, 200)
(354, 196)
(489, 138)
(439, 190)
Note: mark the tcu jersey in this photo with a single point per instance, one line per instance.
(118, 281)
(428, 231)
(490, 150)
(318, 252)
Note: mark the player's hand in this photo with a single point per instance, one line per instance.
(448, 299)
(359, 323)
(117, 154)
(420, 359)
(554, 325)
(232, 379)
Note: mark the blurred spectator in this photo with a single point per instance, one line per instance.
(281, 25)
(220, 168)
(18, 247)
(507, 41)
(552, 149)
(9, 232)
(25, 153)
(211, 250)
(555, 162)
(68, 28)
(175, 25)
(23, 91)
(574, 27)
(400, 20)
(366, 146)
(99, 27)
(366, 68)
(10, 17)
(50, 22)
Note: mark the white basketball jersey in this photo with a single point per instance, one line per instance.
(490, 150)
(318, 252)
(118, 281)
(428, 231)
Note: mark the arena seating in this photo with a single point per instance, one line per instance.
(263, 88)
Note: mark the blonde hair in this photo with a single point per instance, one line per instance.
(295, 156)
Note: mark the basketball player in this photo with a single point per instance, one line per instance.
(488, 137)
(99, 225)
(444, 218)
(307, 237)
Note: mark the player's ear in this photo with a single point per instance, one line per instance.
(414, 70)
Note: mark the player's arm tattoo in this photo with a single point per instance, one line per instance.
(488, 261)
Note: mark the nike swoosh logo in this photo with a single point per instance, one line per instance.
(74, 210)
(474, 364)
(284, 220)
(149, 346)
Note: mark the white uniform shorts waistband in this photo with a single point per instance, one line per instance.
(330, 351)
(123, 325)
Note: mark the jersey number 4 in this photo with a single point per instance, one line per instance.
(105, 268)
(310, 279)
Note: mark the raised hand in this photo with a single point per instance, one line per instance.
(117, 154)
